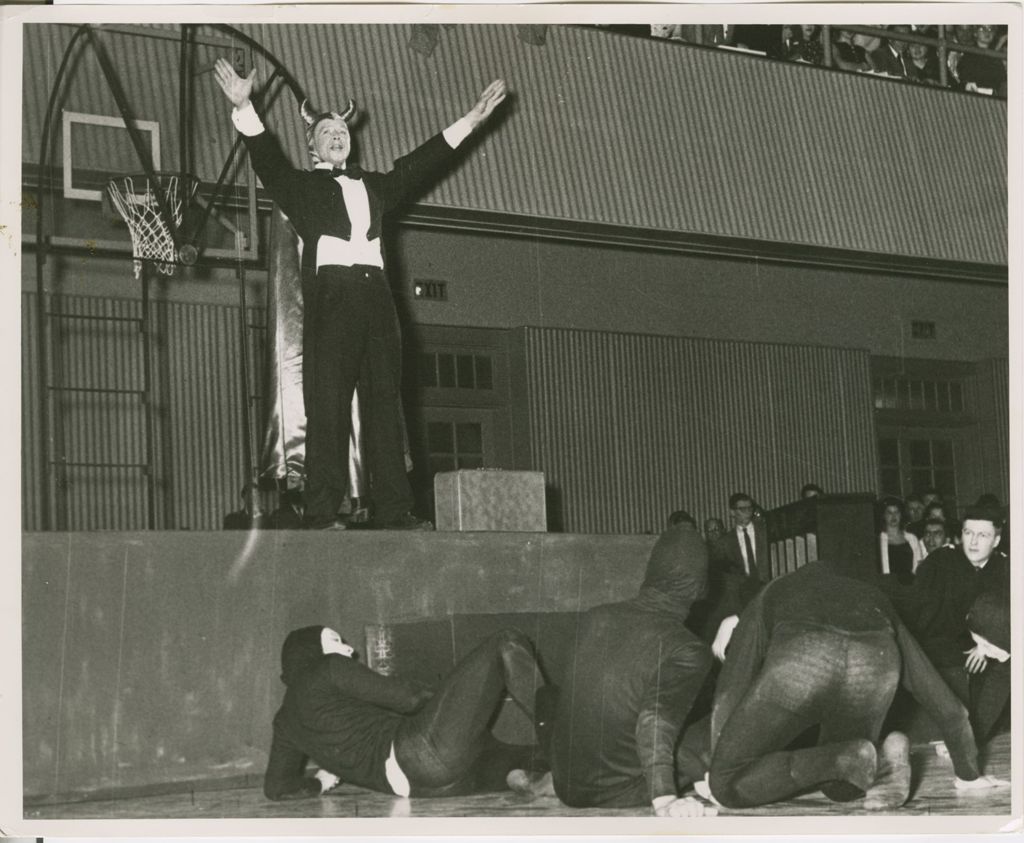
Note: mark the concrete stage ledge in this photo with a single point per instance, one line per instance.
(152, 658)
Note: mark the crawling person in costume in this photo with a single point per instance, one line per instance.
(818, 649)
(388, 735)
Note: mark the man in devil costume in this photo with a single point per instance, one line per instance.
(350, 326)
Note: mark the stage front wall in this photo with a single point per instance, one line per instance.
(151, 658)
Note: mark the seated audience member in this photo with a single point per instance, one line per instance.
(989, 625)
(980, 73)
(818, 649)
(669, 31)
(890, 57)
(811, 490)
(388, 735)
(249, 517)
(992, 502)
(713, 529)
(806, 45)
(849, 56)
(288, 516)
(935, 509)
(633, 676)
(936, 535)
(923, 66)
(946, 586)
(913, 508)
(899, 549)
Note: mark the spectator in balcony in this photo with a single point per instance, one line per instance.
(963, 33)
(890, 58)
(869, 43)
(806, 45)
(846, 55)
(982, 74)
(900, 550)
(923, 66)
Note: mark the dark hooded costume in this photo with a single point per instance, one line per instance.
(634, 676)
(815, 648)
(387, 735)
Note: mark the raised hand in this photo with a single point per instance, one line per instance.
(235, 88)
(489, 100)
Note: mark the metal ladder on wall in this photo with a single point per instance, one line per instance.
(59, 463)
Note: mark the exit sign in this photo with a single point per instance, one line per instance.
(430, 290)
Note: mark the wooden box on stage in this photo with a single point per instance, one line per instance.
(491, 500)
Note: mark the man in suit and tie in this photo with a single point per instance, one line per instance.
(891, 57)
(739, 566)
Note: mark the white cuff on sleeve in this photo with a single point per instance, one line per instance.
(247, 121)
(457, 132)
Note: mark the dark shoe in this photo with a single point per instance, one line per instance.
(408, 521)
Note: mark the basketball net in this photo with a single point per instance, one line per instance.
(136, 201)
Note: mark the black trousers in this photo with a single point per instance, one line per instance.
(446, 749)
(351, 335)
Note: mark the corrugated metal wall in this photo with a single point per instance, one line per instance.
(630, 132)
(197, 427)
(629, 428)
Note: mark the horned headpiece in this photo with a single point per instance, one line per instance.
(313, 118)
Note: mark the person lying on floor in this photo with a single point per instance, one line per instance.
(818, 649)
(388, 735)
(634, 675)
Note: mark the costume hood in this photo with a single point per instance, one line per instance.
(302, 649)
(677, 571)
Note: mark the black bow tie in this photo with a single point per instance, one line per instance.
(352, 172)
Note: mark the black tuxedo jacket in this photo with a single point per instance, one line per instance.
(313, 201)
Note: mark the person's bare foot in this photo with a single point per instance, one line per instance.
(532, 785)
(892, 787)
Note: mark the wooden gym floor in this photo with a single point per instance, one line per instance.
(932, 793)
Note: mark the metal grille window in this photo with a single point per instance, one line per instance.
(928, 395)
(456, 371)
(908, 465)
(455, 445)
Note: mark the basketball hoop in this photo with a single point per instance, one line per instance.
(135, 198)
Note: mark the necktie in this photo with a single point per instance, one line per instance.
(751, 559)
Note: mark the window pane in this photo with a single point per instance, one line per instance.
(439, 438)
(942, 452)
(888, 452)
(944, 397)
(931, 396)
(956, 397)
(470, 438)
(427, 370)
(920, 452)
(890, 479)
(889, 384)
(945, 482)
(446, 371)
(442, 464)
(465, 371)
(484, 375)
(471, 462)
(920, 479)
